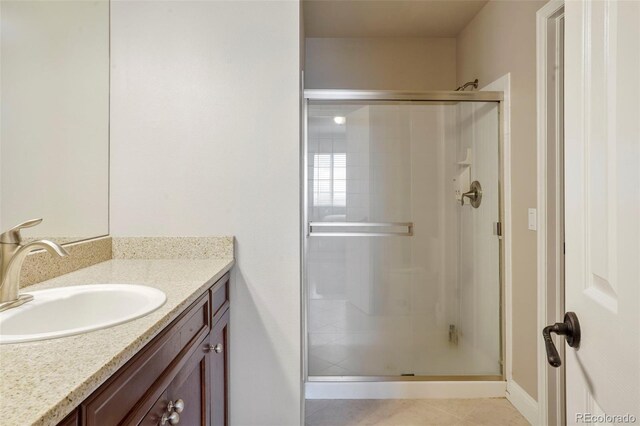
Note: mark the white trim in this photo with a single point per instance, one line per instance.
(303, 245)
(504, 84)
(542, 17)
(404, 390)
(523, 402)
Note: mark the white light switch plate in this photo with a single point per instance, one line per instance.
(533, 220)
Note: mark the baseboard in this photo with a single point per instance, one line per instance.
(523, 402)
(404, 390)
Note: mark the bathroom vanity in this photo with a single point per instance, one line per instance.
(180, 377)
(168, 367)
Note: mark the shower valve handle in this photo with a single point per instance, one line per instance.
(570, 328)
(474, 195)
(471, 195)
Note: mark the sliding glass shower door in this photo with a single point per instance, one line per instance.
(402, 258)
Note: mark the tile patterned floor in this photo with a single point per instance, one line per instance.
(343, 340)
(413, 412)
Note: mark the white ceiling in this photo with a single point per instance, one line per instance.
(388, 18)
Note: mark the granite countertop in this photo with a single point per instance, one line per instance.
(44, 381)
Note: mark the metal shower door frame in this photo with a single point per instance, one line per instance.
(399, 97)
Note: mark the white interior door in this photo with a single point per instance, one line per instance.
(602, 166)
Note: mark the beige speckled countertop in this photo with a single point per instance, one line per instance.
(43, 381)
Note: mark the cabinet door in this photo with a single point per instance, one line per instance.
(190, 386)
(219, 341)
(187, 395)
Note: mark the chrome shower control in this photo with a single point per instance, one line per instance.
(474, 195)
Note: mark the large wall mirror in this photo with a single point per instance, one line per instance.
(54, 134)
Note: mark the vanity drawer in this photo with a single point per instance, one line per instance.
(220, 297)
(135, 382)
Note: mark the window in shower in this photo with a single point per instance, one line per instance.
(383, 301)
(329, 179)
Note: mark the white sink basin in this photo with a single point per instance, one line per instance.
(66, 311)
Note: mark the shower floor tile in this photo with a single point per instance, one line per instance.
(413, 412)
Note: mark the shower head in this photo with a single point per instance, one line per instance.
(473, 83)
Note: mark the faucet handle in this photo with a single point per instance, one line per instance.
(12, 236)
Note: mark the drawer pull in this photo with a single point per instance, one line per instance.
(171, 416)
(217, 348)
(172, 419)
(177, 406)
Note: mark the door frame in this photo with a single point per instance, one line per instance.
(550, 194)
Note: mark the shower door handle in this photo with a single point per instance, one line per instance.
(570, 328)
(380, 232)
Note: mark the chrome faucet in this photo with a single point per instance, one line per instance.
(12, 254)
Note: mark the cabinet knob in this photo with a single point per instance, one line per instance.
(217, 348)
(177, 406)
(172, 418)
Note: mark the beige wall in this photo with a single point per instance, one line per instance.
(499, 40)
(381, 63)
(204, 141)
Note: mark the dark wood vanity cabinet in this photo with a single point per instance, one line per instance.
(180, 377)
(71, 420)
(219, 371)
(190, 387)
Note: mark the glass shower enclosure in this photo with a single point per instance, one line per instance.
(402, 246)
